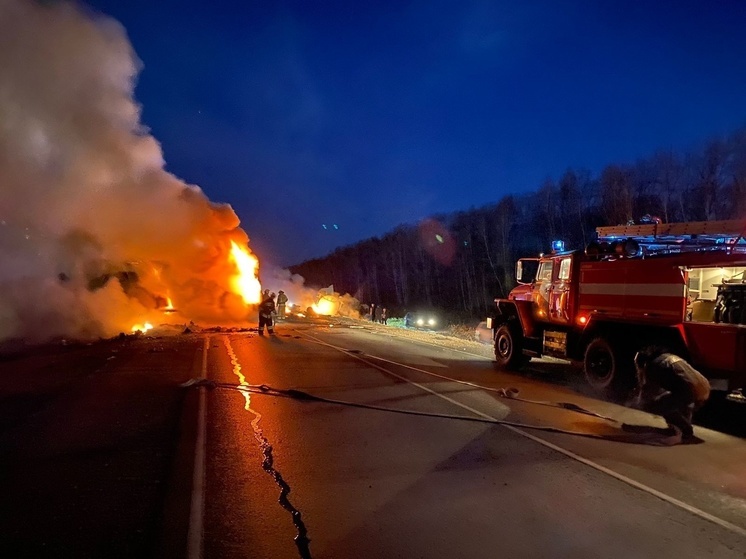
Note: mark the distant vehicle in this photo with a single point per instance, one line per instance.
(427, 320)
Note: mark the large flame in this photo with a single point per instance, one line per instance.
(246, 282)
(325, 306)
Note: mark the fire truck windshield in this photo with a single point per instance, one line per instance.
(545, 271)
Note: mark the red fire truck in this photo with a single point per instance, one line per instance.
(679, 286)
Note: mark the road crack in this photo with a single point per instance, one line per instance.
(302, 542)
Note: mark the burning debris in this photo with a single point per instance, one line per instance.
(142, 328)
(305, 301)
(330, 303)
(96, 237)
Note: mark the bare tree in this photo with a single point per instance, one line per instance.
(571, 209)
(707, 172)
(616, 194)
(504, 222)
(735, 192)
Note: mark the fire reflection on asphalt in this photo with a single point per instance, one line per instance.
(301, 539)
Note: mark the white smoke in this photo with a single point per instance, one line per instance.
(300, 295)
(94, 233)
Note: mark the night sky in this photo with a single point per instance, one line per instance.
(366, 115)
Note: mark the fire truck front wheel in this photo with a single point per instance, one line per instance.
(601, 364)
(509, 348)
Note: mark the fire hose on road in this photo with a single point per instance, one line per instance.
(510, 393)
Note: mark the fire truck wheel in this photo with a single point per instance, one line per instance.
(508, 348)
(601, 364)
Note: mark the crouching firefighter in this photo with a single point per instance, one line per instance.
(670, 387)
(266, 310)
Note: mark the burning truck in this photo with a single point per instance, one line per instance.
(165, 299)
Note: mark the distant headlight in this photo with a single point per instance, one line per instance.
(420, 322)
(431, 322)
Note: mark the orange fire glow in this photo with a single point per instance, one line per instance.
(142, 327)
(245, 283)
(325, 307)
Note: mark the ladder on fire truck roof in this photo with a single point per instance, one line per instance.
(676, 237)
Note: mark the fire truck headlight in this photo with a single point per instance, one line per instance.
(420, 322)
(431, 322)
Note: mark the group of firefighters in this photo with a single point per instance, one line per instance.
(268, 309)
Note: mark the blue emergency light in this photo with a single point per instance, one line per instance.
(558, 246)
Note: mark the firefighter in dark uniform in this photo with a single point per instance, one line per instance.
(266, 310)
(670, 387)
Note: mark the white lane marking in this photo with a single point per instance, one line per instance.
(469, 353)
(196, 514)
(636, 484)
(393, 374)
(603, 469)
(553, 360)
(412, 367)
(423, 342)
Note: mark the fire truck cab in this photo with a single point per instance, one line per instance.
(678, 286)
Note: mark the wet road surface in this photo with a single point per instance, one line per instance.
(102, 446)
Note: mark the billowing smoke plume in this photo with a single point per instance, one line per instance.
(94, 234)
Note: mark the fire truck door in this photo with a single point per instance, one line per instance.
(542, 288)
(559, 292)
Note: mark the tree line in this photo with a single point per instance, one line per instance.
(460, 262)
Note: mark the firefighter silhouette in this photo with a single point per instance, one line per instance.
(670, 387)
(266, 310)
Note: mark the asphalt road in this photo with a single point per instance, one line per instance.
(106, 454)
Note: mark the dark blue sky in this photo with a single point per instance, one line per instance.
(371, 114)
